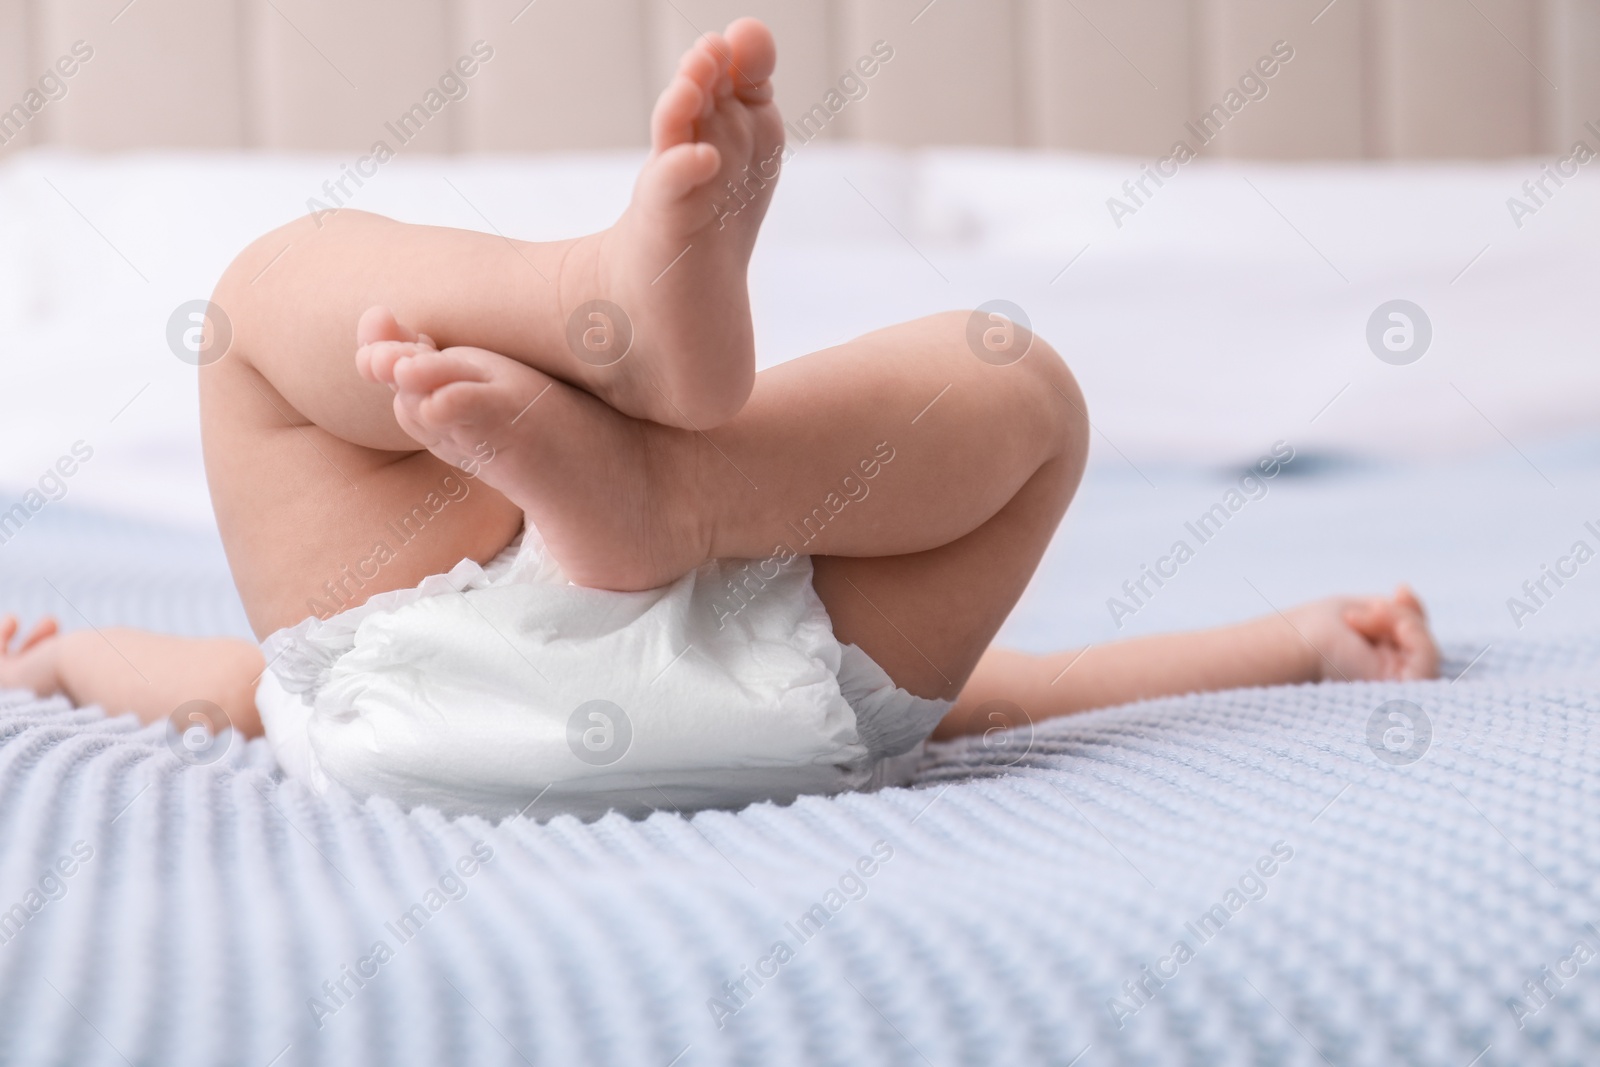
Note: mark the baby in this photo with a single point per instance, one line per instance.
(523, 509)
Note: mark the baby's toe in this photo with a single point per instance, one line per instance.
(699, 64)
(426, 370)
(755, 56)
(43, 630)
(378, 323)
(460, 404)
(380, 360)
(672, 122)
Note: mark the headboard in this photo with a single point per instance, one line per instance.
(1351, 79)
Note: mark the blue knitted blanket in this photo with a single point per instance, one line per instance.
(1288, 875)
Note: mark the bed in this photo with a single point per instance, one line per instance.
(1025, 899)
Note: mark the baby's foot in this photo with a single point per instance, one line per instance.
(676, 260)
(600, 487)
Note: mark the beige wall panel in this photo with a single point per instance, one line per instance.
(165, 73)
(330, 75)
(1314, 104)
(567, 74)
(1570, 35)
(1382, 78)
(805, 32)
(1107, 75)
(1457, 78)
(16, 75)
(954, 78)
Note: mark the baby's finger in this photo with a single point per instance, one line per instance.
(8, 630)
(1406, 599)
(43, 630)
(1413, 635)
(1372, 618)
(1417, 644)
(1392, 663)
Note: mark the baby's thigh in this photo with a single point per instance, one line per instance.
(927, 618)
(315, 525)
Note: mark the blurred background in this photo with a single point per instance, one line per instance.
(948, 153)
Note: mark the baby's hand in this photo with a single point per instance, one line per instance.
(1369, 638)
(32, 664)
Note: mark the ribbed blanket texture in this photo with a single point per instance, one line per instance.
(1024, 903)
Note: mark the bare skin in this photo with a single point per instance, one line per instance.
(125, 670)
(1340, 639)
(374, 363)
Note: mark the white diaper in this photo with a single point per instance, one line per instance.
(488, 689)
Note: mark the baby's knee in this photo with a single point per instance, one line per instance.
(238, 280)
(247, 285)
(1068, 412)
(1062, 413)
(1027, 374)
(237, 295)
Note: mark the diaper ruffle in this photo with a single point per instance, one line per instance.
(302, 656)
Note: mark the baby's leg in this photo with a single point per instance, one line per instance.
(927, 482)
(315, 485)
(945, 473)
(681, 350)
(323, 499)
(921, 563)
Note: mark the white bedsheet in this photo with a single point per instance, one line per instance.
(1226, 313)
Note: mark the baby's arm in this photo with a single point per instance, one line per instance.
(1341, 639)
(125, 670)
